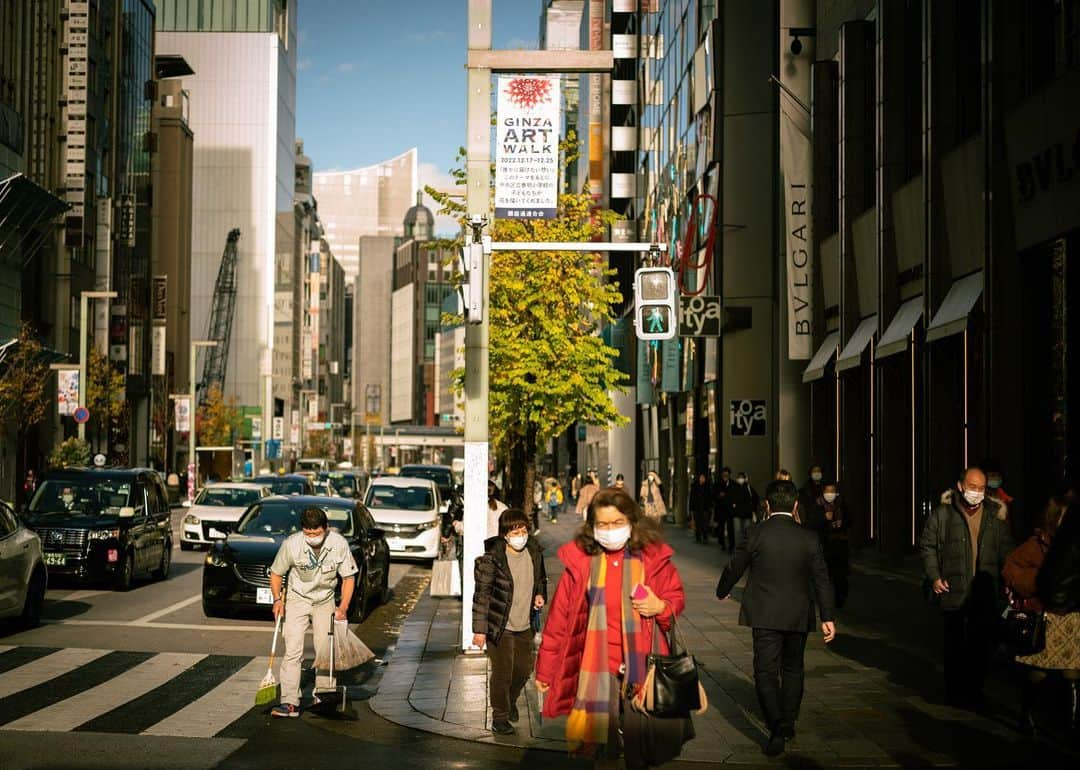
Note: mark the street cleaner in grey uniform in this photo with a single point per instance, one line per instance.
(313, 559)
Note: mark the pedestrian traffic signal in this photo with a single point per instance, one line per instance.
(656, 315)
(472, 285)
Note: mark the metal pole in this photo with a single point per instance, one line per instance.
(478, 204)
(84, 301)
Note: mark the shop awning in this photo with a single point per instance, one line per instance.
(952, 317)
(895, 338)
(23, 205)
(816, 369)
(851, 356)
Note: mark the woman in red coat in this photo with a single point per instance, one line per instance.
(618, 586)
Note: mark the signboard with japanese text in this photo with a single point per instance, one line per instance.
(182, 414)
(527, 147)
(67, 391)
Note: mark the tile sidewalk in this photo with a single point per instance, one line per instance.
(872, 697)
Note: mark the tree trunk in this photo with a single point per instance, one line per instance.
(515, 475)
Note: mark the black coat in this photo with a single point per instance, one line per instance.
(494, 592)
(744, 500)
(700, 497)
(787, 577)
(1058, 581)
(722, 491)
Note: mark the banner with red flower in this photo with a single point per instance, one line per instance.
(527, 147)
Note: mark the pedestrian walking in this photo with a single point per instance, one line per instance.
(620, 481)
(744, 504)
(652, 497)
(554, 498)
(510, 584)
(964, 545)
(495, 509)
(722, 507)
(313, 560)
(809, 494)
(701, 507)
(618, 586)
(833, 523)
(787, 577)
(1062, 651)
(585, 496)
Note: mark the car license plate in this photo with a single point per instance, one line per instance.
(394, 544)
(263, 596)
(55, 559)
(217, 534)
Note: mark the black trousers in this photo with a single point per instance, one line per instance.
(969, 639)
(701, 525)
(778, 674)
(511, 665)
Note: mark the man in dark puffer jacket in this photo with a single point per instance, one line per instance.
(510, 583)
(964, 546)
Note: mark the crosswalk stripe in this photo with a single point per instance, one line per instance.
(157, 704)
(69, 714)
(46, 668)
(217, 709)
(14, 657)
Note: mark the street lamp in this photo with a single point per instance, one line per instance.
(84, 334)
(193, 459)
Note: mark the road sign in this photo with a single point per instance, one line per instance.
(656, 313)
(81, 415)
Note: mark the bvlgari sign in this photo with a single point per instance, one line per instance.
(527, 147)
(1043, 137)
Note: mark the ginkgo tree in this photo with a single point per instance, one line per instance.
(549, 368)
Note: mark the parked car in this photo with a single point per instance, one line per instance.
(216, 510)
(103, 524)
(442, 475)
(354, 481)
(408, 509)
(23, 577)
(236, 574)
(312, 464)
(286, 484)
(324, 488)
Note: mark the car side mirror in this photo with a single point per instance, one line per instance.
(127, 512)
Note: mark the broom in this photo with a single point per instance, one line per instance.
(269, 690)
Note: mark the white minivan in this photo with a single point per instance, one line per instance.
(407, 509)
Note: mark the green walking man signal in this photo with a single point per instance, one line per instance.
(656, 302)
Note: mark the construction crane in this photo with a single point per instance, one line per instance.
(221, 318)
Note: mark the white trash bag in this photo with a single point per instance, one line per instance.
(349, 650)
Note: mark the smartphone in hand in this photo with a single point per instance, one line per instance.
(639, 592)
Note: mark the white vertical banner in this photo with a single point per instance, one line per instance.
(796, 161)
(182, 414)
(527, 147)
(67, 391)
(158, 357)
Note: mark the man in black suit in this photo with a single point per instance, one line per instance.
(787, 576)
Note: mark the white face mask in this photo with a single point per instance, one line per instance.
(740, 480)
(68, 499)
(612, 539)
(517, 542)
(973, 498)
(815, 476)
(315, 542)
(829, 496)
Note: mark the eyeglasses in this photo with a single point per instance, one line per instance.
(605, 525)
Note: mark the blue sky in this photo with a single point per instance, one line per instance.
(379, 76)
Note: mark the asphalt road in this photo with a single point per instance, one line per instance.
(143, 679)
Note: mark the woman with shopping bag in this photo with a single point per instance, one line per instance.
(510, 584)
(618, 597)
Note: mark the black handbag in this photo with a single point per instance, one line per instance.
(672, 687)
(1023, 632)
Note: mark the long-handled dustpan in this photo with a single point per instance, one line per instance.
(330, 699)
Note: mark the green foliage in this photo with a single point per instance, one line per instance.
(23, 400)
(549, 367)
(105, 392)
(71, 452)
(319, 445)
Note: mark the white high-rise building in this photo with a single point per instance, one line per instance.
(243, 106)
(368, 201)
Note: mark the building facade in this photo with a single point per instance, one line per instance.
(243, 116)
(365, 202)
